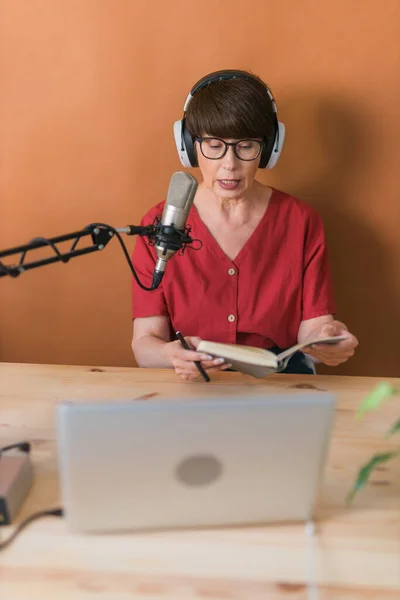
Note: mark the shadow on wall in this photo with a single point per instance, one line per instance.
(327, 151)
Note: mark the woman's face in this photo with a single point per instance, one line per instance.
(228, 177)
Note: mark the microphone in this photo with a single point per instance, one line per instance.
(168, 240)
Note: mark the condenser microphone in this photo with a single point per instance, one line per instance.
(181, 193)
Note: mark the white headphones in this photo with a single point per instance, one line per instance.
(185, 142)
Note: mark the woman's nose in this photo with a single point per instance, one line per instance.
(230, 159)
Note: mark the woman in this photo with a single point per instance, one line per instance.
(262, 276)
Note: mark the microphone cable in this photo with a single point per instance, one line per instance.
(56, 512)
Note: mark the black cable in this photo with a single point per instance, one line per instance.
(56, 512)
(125, 251)
(199, 246)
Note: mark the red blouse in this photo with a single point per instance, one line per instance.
(279, 278)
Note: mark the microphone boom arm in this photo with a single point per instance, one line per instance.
(101, 234)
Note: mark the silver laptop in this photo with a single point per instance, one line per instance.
(130, 465)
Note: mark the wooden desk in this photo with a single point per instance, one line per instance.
(358, 549)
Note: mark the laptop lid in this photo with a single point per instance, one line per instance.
(128, 465)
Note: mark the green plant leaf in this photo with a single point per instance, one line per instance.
(383, 391)
(394, 429)
(365, 472)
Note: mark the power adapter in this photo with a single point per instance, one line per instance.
(16, 476)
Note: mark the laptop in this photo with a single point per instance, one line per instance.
(204, 462)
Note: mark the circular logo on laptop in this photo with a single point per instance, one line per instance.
(200, 469)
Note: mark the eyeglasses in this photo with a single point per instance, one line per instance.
(215, 148)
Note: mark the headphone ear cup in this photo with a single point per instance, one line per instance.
(278, 145)
(180, 145)
(266, 154)
(270, 155)
(189, 145)
(184, 145)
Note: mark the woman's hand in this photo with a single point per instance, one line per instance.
(183, 360)
(336, 354)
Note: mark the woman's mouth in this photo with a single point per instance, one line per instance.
(229, 184)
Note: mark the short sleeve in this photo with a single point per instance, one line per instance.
(146, 303)
(318, 298)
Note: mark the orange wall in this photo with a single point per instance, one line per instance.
(89, 92)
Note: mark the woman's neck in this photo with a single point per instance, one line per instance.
(237, 211)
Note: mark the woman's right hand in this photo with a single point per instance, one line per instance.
(182, 360)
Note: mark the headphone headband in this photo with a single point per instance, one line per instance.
(224, 76)
(219, 76)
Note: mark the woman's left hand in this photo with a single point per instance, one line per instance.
(336, 354)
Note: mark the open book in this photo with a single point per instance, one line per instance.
(257, 361)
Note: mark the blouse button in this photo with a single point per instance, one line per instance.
(231, 318)
(231, 271)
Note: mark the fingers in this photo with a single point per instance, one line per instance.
(340, 351)
(180, 354)
(188, 371)
(327, 350)
(334, 328)
(352, 341)
(193, 340)
(195, 375)
(177, 352)
(331, 356)
(183, 360)
(187, 365)
(345, 347)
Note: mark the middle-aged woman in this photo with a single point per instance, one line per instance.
(262, 276)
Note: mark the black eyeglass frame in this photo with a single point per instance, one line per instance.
(234, 144)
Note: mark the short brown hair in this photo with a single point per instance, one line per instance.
(232, 108)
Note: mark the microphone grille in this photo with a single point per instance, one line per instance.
(182, 190)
